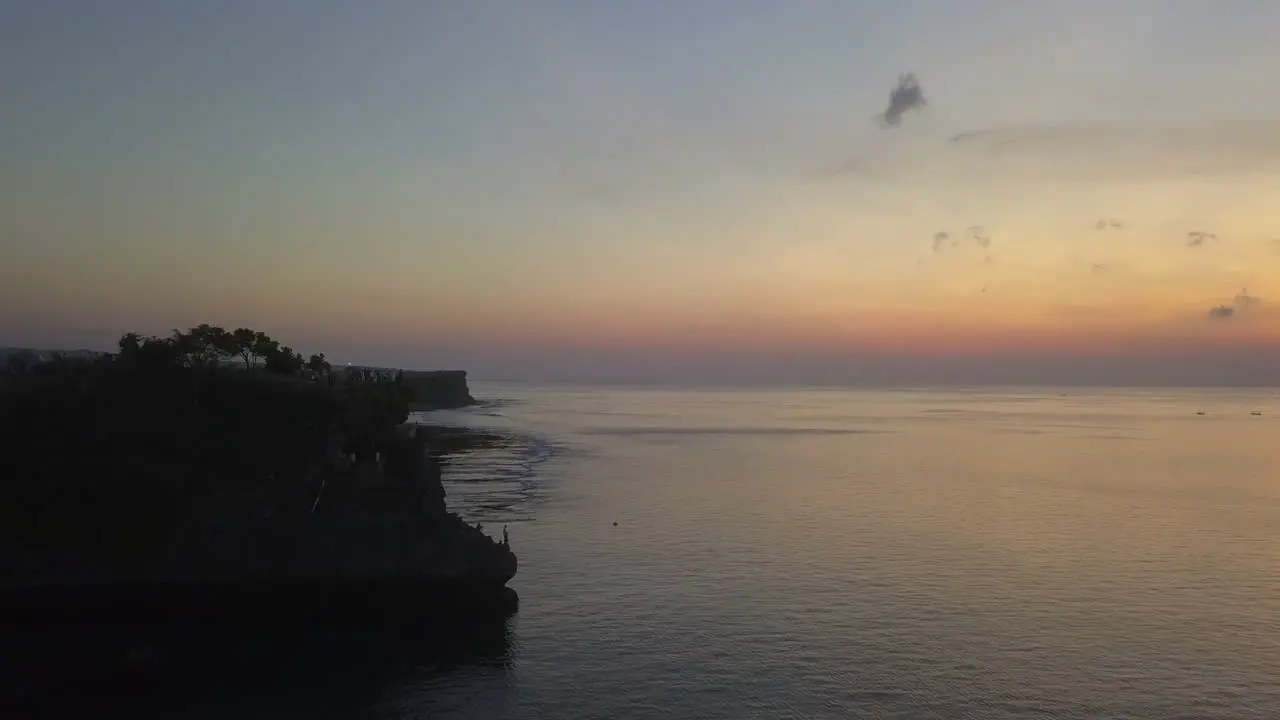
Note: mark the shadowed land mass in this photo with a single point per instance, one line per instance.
(161, 487)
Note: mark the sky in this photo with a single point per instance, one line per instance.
(658, 191)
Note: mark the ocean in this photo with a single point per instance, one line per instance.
(840, 553)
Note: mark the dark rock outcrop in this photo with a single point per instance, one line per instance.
(380, 523)
(195, 478)
(382, 519)
(437, 389)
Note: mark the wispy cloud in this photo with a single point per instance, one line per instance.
(1142, 150)
(980, 236)
(940, 239)
(1100, 152)
(1196, 238)
(996, 139)
(1108, 224)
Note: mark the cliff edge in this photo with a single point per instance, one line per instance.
(157, 481)
(437, 389)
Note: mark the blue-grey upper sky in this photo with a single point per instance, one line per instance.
(473, 179)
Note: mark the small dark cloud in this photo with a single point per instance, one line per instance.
(1108, 224)
(977, 233)
(906, 96)
(1196, 238)
(1241, 303)
(980, 236)
(1098, 268)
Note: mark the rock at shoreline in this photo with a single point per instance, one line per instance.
(444, 440)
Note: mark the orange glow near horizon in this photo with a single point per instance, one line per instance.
(542, 206)
(923, 334)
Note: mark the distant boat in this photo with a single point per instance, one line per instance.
(1199, 412)
(1256, 412)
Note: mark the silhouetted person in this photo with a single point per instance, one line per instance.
(504, 535)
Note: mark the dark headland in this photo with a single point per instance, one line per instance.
(437, 389)
(217, 482)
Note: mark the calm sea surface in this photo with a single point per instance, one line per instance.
(879, 554)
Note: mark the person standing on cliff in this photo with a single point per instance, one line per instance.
(504, 536)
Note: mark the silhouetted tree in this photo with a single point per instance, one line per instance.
(284, 361)
(263, 346)
(205, 345)
(130, 345)
(318, 364)
(243, 342)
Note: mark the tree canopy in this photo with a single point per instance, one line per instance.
(210, 346)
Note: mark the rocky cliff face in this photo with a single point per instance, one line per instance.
(380, 518)
(438, 389)
(143, 498)
(283, 480)
(389, 518)
(378, 544)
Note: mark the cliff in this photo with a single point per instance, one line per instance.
(437, 389)
(165, 518)
(147, 479)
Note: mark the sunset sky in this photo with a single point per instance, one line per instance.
(658, 190)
